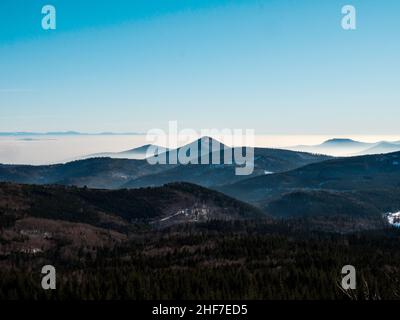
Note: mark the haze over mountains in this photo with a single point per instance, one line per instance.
(122, 173)
(349, 147)
(61, 133)
(266, 161)
(44, 149)
(284, 183)
(332, 147)
(382, 147)
(135, 153)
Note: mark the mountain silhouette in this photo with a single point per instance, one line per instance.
(110, 173)
(381, 147)
(135, 153)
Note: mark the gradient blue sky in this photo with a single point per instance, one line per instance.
(277, 66)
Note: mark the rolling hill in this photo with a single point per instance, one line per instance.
(370, 205)
(93, 205)
(95, 173)
(42, 216)
(364, 184)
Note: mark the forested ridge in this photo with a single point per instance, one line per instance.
(260, 259)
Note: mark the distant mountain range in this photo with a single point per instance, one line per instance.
(382, 147)
(284, 183)
(63, 133)
(125, 173)
(349, 147)
(332, 147)
(267, 161)
(136, 153)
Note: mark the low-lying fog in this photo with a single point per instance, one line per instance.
(55, 149)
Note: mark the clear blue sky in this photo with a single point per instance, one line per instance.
(277, 66)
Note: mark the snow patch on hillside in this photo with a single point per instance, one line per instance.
(394, 218)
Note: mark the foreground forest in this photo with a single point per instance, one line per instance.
(248, 259)
(183, 241)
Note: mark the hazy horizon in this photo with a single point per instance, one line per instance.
(60, 149)
(293, 76)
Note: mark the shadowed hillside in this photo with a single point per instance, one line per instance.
(363, 172)
(121, 209)
(96, 172)
(365, 185)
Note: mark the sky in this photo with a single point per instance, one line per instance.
(275, 66)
